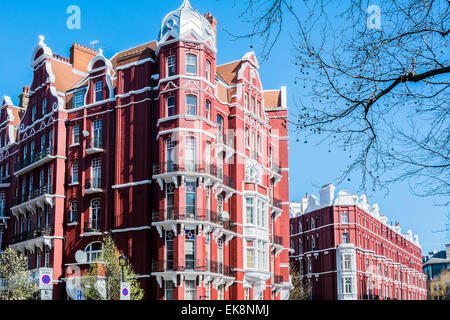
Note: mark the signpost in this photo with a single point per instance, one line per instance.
(125, 291)
(46, 283)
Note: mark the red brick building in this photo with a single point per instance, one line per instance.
(182, 160)
(346, 250)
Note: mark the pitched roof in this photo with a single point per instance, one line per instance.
(272, 98)
(228, 72)
(143, 51)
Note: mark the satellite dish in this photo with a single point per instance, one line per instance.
(81, 257)
(225, 216)
(86, 133)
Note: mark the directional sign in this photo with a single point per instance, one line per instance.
(125, 291)
(79, 295)
(45, 279)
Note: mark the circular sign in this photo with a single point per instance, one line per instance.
(125, 292)
(46, 279)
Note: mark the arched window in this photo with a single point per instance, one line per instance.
(93, 251)
(94, 222)
(96, 173)
(208, 157)
(73, 211)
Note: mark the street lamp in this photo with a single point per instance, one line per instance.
(122, 263)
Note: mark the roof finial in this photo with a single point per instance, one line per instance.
(41, 39)
(100, 51)
(186, 3)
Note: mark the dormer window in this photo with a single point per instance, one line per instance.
(170, 66)
(98, 91)
(191, 64)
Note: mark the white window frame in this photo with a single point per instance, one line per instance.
(171, 63)
(98, 88)
(74, 176)
(76, 135)
(191, 62)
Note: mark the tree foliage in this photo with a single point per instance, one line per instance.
(300, 290)
(18, 281)
(102, 280)
(380, 94)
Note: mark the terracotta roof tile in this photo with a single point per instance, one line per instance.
(272, 99)
(229, 71)
(144, 51)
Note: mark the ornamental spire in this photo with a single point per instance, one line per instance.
(185, 4)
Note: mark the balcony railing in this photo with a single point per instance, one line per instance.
(35, 158)
(93, 226)
(30, 196)
(199, 265)
(277, 203)
(5, 180)
(276, 166)
(203, 215)
(278, 279)
(223, 138)
(93, 183)
(170, 166)
(94, 145)
(278, 240)
(32, 234)
(183, 214)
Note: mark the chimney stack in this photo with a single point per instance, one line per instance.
(80, 56)
(327, 195)
(24, 97)
(213, 22)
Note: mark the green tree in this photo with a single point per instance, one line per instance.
(18, 282)
(102, 280)
(300, 291)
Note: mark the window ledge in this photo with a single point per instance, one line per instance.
(74, 184)
(74, 145)
(72, 224)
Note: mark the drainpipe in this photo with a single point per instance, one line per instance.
(66, 179)
(150, 193)
(113, 167)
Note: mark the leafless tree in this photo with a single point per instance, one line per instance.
(379, 92)
(301, 290)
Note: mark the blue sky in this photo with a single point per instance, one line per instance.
(121, 25)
